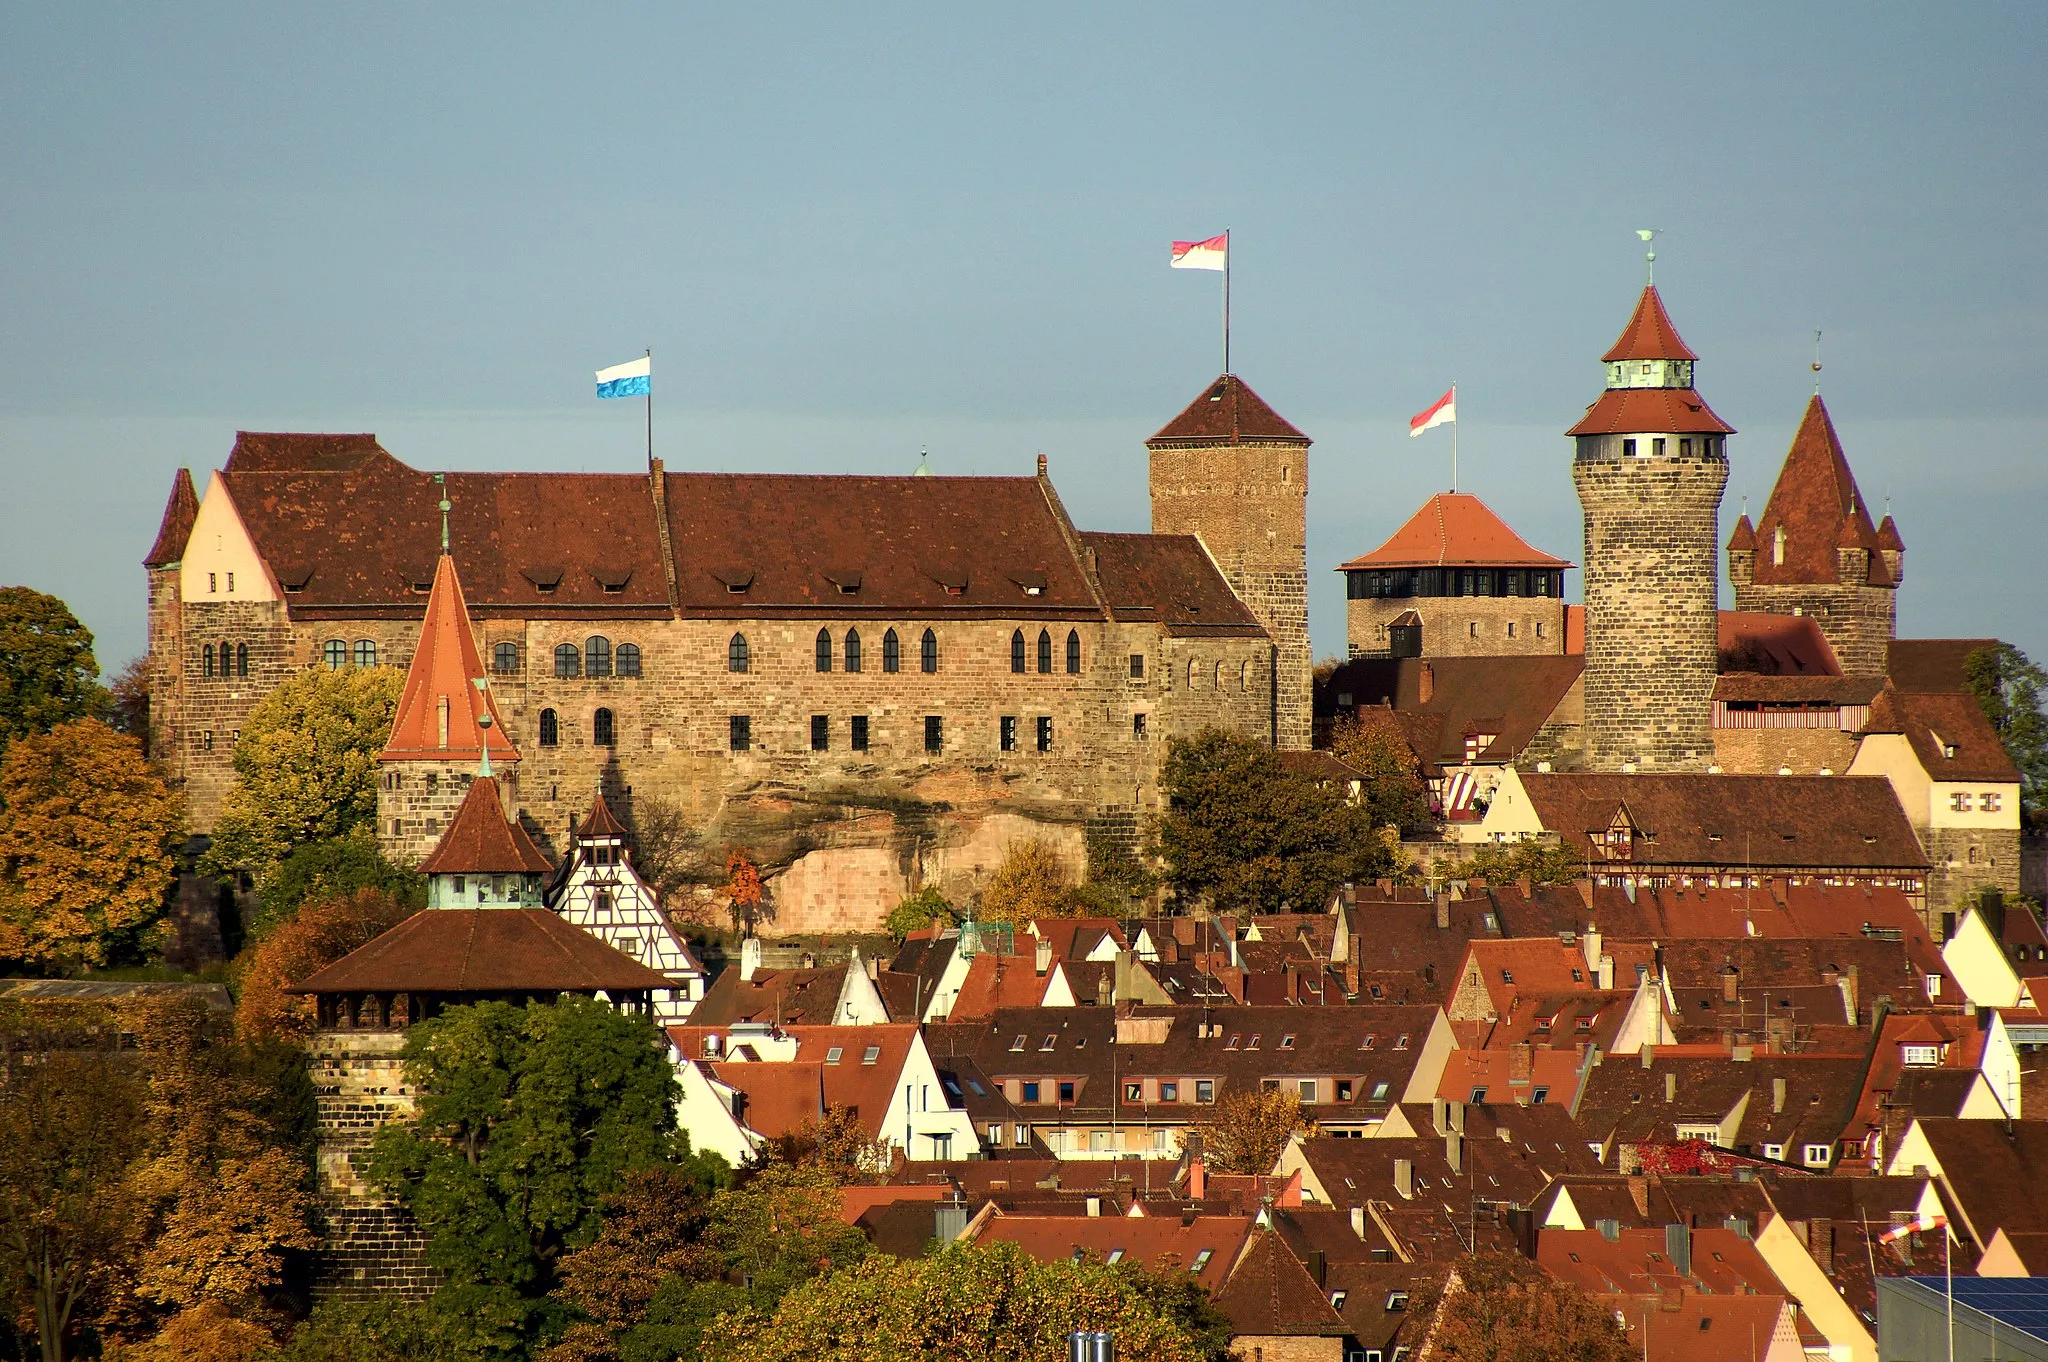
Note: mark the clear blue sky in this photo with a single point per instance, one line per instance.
(849, 231)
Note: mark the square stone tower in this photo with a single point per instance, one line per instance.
(1650, 466)
(1232, 472)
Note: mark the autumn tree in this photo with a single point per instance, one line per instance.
(87, 832)
(1247, 1129)
(2009, 689)
(1391, 789)
(333, 869)
(208, 1332)
(1028, 882)
(526, 1118)
(70, 1125)
(742, 889)
(839, 1144)
(48, 675)
(127, 705)
(665, 844)
(318, 935)
(1500, 1308)
(1243, 832)
(968, 1303)
(305, 767)
(652, 1243)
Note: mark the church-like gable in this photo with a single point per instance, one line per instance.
(598, 890)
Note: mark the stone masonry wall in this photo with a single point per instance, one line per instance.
(1248, 505)
(1859, 621)
(205, 714)
(1766, 751)
(369, 1244)
(1462, 626)
(1963, 860)
(1651, 595)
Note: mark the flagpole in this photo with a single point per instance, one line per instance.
(650, 407)
(1949, 1272)
(1226, 301)
(1454, 437)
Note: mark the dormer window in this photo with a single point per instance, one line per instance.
(736, 580)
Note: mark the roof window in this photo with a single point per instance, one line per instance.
(1049, 1042)
(1369, 1041)
(1017, 1045)
(1287, 1042)
(832, 1056)
(871, 1054)
(1201, 1260)
(1401, 1041)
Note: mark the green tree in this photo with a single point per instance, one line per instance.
(70, 1125)
(332, 869)
(968, 1303)
(1500, 1308)
(1028, 882)
(915, 912)
(2009, 689)
(1544, 862)
(374, 1330)
(48, 675)
(305, 767)
(87, 831)
(1244, 832)
(527, 1118)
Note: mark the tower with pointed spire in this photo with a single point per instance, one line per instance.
(447, 730)
(1650, 466)
(1233, 473)
(1815, 551)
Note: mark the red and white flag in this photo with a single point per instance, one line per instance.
(1439, 412)
(1914, 1226)
(1213, 254)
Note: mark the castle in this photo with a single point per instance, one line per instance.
(872, 682)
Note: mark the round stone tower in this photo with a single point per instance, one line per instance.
(1651, 463)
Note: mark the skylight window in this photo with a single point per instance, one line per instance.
(1201, 1260)
(871, 1054)
(1049, 1042)
(1017, 1044)
(832, 1055)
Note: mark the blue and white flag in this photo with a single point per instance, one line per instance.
(632, 379)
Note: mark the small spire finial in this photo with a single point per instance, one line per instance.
(1649, 237)
(483, 725)
(441, 481)
(1816, 361)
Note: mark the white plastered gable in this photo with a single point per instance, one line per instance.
(221, 562)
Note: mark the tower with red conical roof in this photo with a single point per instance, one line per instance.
(1815, 551)
(1233, 472)
(1651, 463)
(447, 730)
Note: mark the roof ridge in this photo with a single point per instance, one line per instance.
(175, 528)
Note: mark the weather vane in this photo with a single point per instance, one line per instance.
(441, 481)
(1816, 361)
(1649, 236)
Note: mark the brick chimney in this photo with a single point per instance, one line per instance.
(1425, 684)
(1521, 1063)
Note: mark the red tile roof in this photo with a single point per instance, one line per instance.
(1455, 527)
(484, 950)
(601, 822)
(1650, 411)
(441, 709)
(1269, 1294)
(1744, 534)
(1818, 506)
(1759, 641)
(1931, 664)
(1508, 697)
(1160, 1242)
(1227, 413)
(179, 513)
(1168, 578)
(850, 1080)
(776, 1099)
(482, 841)
(1636, 1263)
(1649, 333)
(1948, 731)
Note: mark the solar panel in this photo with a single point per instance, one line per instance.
(2018, 1303)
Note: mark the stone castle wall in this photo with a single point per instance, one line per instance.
(1767, 751)
(1462, 626)
(1651, 626)
(1248, 504)
(203, 715)
(1963, 860)
(369, 1245)
(1859, 621)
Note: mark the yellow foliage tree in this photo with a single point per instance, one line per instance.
(1250, 1129)
(305, 766)
(1029, 882)
(87, 830)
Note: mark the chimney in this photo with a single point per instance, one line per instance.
(1358, 1221)
(949, 1221)
(1042, 956)
(1439, 1114)
(1095, 1206)
(1126, 963)
(1443, 911)
(1456, 1111)
(1522, 1224)
(1820, 1241)
(1731, 979)
(1454, 1151)
(874, 966)
(1777, 1096)
(1678, 1248)
(1198, 1180)
(1041, 465)
(1425, 684)
(1610, 1229)
(1591, 941)
(1521, 1063)
(1605, 977)
(1105, 991)
(750, 958)
(1404, 1179)
(1849, 990)
(1319, 1266)
(1670, 1085)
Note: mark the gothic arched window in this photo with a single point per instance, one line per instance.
(892, 652)
(227, 653)
(1191, 673)
(853, 650)
(736, 654)
(206, 660)
(1017, 651)
(1244, 675)
(550, 728)
(568, 661)
(601, 728)
(824, 650)
(627, 660)
(597, 656)
(1073, 652)
(928, 650)
(1044, 652)
(241, 659)
(366, 652)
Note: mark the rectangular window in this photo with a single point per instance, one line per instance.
(1817, 1155)
(1538, 1096)
(231, 584)
(1478, 1096)
(1657, 447)
(871, 1054)
(1169, 1092)
(1021, 1136)
(1138, 726)
(857, 739)
(1007, 732)
(212, 585)
(1137, 666)
(740, 732)
(1922, 1056)
(1628, 449)
(1988, 801)
(833, 1055)
(934, 733)
(821, 733)
(995, 1134)
(1308, 1089)
(1205, 1090)
(1685, 449)
(1959, 803)
(1345, 1088)
(1066, 1090)
(1031, 1092)
(1045, 732)
(1134, 1092)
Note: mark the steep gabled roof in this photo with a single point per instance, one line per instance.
(601, 822)
(442, 681)
(1948, 731)
(1773, 645)
(1819, 507)
(1649, 333)
(484, 950)
(1171, 580)
(179, 513)
(482, 841)
(1269, 1294)
(1929, 665)
(1455, 528)
(1744, 534)
(1227, 413)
